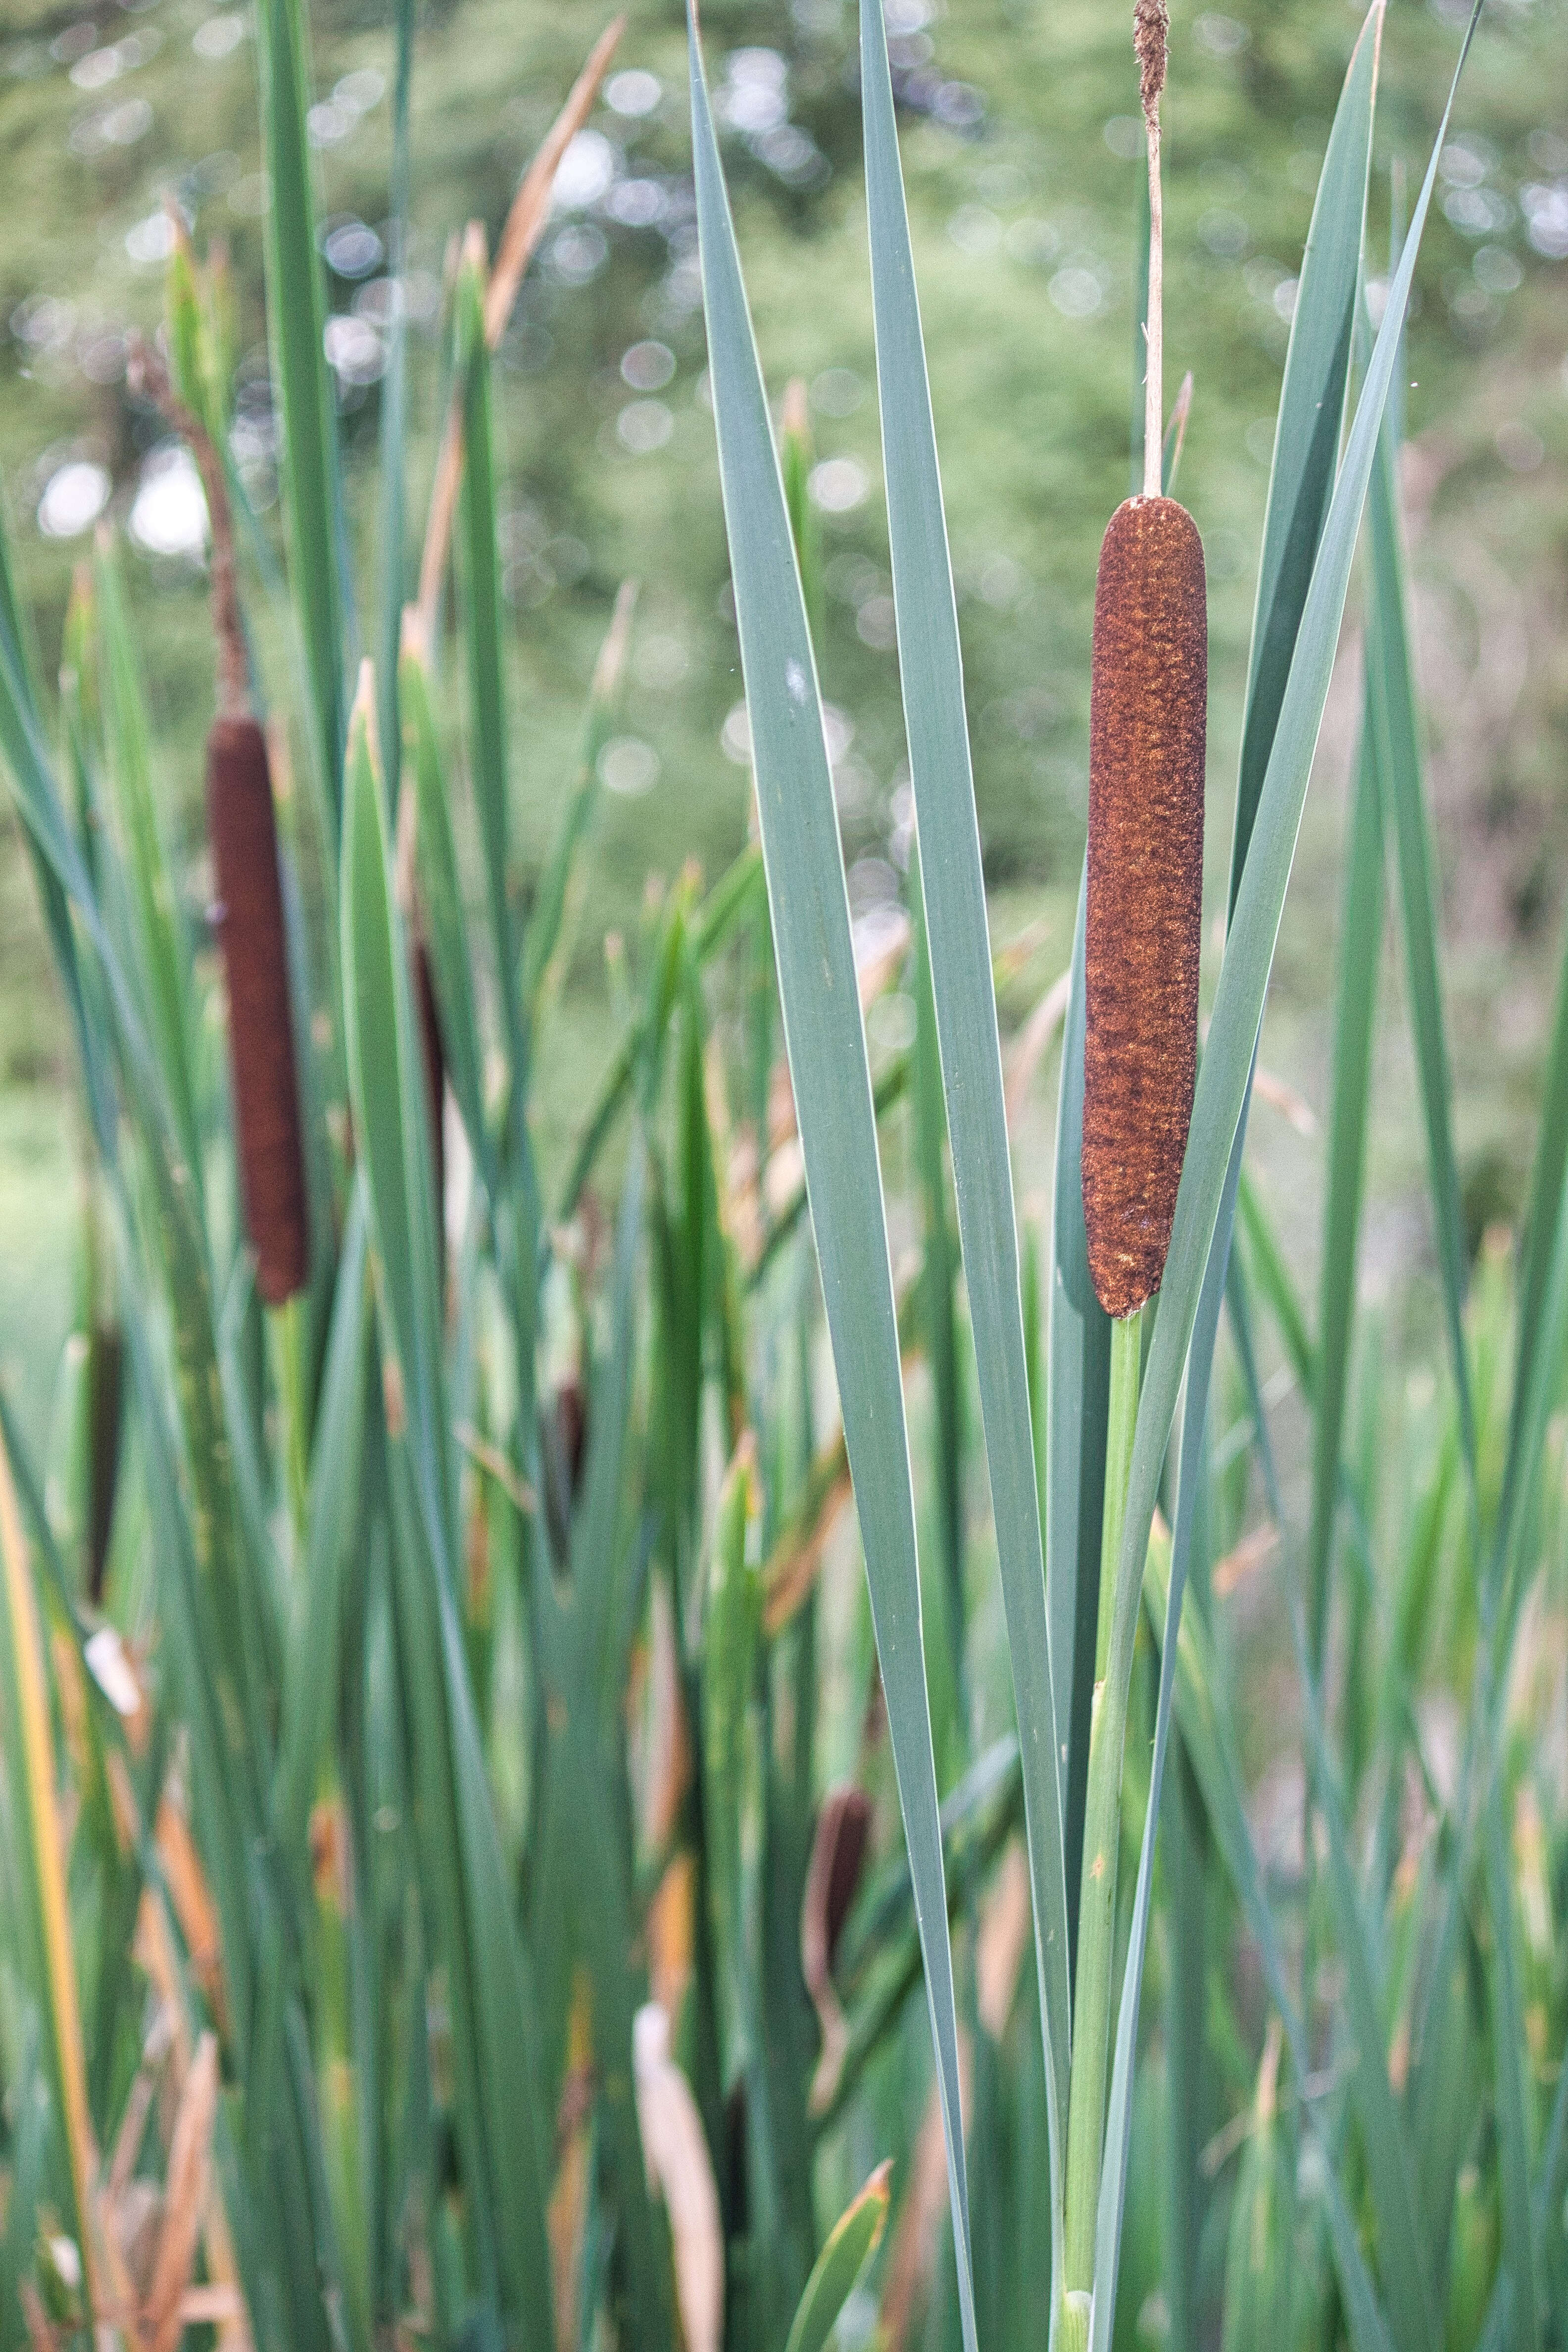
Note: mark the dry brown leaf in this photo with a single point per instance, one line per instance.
(680, 2170)
(185, 2199)
(524, 226)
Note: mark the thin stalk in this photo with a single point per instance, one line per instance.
(1151, 27)
(1154, 331)
(1097, 1900)
(290, 1342)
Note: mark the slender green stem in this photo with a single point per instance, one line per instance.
(288, 1323)
(1102, 1839)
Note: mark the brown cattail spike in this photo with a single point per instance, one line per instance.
(1151, 39)
(1147, 724)
(244, 837)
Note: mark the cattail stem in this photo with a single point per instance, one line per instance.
(1103, 1827)
(1151, 30)
(291, 1340)
(1154, 326)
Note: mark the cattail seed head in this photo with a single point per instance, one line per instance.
(1147, 723)
(244, 839)
(1151, 39)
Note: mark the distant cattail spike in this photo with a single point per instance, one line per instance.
(244, 839)
(1147, 728)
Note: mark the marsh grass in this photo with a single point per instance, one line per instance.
(439, 1751)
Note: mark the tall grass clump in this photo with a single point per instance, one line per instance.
(476, 1872)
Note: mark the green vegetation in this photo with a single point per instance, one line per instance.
(495, 1850)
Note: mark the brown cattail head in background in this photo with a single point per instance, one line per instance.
(1147, 710)
(244, 836)
(243, 833)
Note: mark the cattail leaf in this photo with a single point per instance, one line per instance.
(848, 2248)
(1077, 1405)
(1355, 1008)
(296, 310)
(162, 951)
(1276, 1287)
(37, 1877)
(1510, 2059)
(732, 1629)
(1307, 429)
(549, 910)
(1191, 1472)
(1210, 1741)
(441, 901)
(939, 1315)
(335, 1517)
(393, 522)
(596, 1522)
(499, 2113)
(952, 888)
(464, 1883)
(1538, 1246)
(826, 1048)
(579, 1891)
(729, 904)
(1409, 2289)
(480, 574)
(386, 1089)
(1393, 716)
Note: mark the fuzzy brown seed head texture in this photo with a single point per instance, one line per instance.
(244, 836)
(1147, 710)
(1151, 39)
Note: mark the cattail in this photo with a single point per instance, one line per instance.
(243, 833)
(1148, 709)
(244, 836)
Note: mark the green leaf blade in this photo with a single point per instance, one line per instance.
(849, 2246)
(297, 315)
(833, 1091)
(953, 886)
(1307, 433)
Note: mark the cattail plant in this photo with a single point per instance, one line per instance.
(1148, 709)
(248, 907)
(1147, 720)
(524, 1818)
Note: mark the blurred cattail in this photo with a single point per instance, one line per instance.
(434, 1056)
(832, 1879)
(1148, 714)
(242, 832)
(244, 839)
